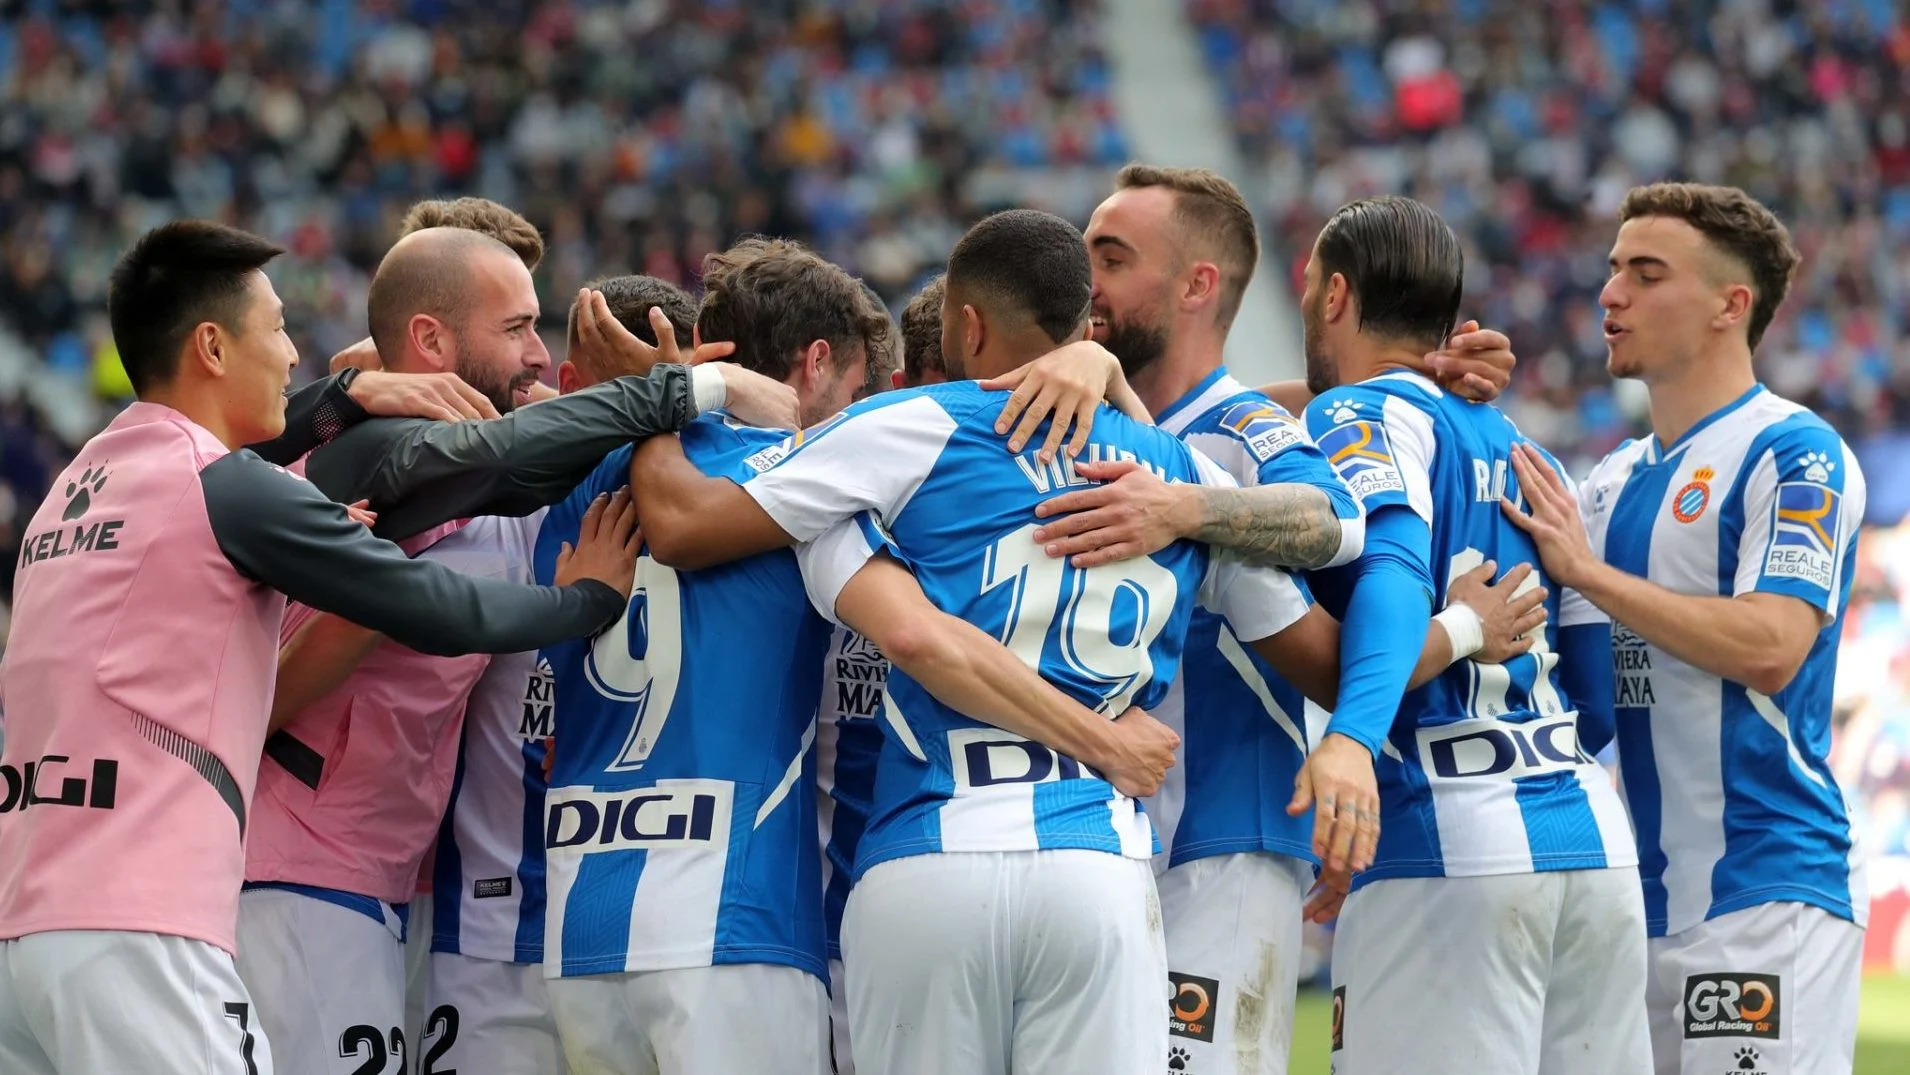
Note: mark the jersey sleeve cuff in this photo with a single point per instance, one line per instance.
(708, 389)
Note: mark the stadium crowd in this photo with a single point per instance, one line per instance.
(876, 132)
(1524, 124)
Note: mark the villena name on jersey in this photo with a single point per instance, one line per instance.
(1047, 477)
(70, 541)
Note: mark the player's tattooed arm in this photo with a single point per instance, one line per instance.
(1285, 525)
(692, 520)
(1135, 513)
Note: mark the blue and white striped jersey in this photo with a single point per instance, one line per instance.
(1731, 791)
(848, 742)
(959, 509)
(681, 826)
(1243, 728)
(488, 879)
(1482, 772)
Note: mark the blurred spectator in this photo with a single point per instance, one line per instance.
(638, 135)
(1524, 123)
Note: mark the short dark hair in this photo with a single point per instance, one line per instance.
(425, 272)
(1208, 207)
(771, 297)
(1739, 226)
(922, 332)
(629, 299)
(176, 277)
(499, 222)
(884, 343)
(1026, 262)
(1403, 264)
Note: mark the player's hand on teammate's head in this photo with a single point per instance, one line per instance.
(360, 511)
(1142, 751)
(1338, 784)
(758, 400)
(599, 341)
(1067, 384)
(607, 544)
(1475, 364)
(1510, 617)
(442, 397)
(1550, 518)
(1132, 514)
(362, 355)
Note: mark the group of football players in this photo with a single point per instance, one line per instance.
(748, 704)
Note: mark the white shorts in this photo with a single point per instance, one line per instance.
(1775, 985)
(486, 1015)
(76, 1002)
(840, 1059)
(1513, 974)
(417, 963)
(329, 983)
(1233, 960)
(758, 1018)
(990, 962)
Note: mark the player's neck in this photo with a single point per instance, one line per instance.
(1188, 360)
(201, 408)
(1364, 358)
(1687, 397)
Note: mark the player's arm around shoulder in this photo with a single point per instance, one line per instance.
(275, 528)
(972, 673)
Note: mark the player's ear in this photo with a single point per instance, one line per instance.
(1339, 297)
(433, 342)
(568, 379)
(815, 361)
(974, 331)
(1084, 333)
(205, 348)
(1738, 301)
(1203, 284)
(895, 378)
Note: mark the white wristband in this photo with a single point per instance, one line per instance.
(706, 385)
(1464, 629)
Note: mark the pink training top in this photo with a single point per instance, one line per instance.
(141, 664)
(354, 787)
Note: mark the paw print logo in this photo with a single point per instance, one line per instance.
(1817, 466)
(79, 493)
(1177, 1059)
(1746, 1058)
(1343, 412)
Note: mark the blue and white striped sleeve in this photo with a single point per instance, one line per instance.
(871, 457)
(1802, 504)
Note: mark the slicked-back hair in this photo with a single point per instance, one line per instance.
(1025, 263)
(771, 297)
(922, 333)
(1739, 226)
(416, 278)
(176, 277)
(1209, 210)
(1403, 264)
(480, 215)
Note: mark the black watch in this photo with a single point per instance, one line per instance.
(346, 376)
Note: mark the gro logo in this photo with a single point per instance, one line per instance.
(1731, 1005)
(1190, 1013)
